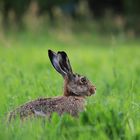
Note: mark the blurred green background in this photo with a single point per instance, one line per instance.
(102, 40)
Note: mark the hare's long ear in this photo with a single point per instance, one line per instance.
(55, 62)
(64, 62)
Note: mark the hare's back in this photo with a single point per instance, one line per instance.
(46, 106)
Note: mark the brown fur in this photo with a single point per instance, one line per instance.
(66, 93)
(46, 106)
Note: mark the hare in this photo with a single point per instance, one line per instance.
(76, 88)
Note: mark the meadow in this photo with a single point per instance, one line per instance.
(111, 63)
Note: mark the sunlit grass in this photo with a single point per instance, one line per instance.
(26, 74)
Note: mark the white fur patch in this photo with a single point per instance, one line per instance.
(39, 113)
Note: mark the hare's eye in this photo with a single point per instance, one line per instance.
(83, 80)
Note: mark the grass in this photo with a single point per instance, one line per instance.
(111, 63)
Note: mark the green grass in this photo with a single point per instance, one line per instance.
(112, 64)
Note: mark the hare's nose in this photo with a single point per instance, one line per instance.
(92, 89)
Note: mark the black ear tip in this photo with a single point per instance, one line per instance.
(64, 54)
(50, 53)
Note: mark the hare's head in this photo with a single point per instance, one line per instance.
(75, 84)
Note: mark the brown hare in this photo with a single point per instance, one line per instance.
(76, 88)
